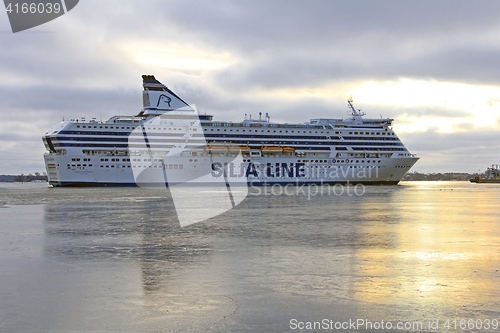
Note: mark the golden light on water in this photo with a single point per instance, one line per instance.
(437, 255)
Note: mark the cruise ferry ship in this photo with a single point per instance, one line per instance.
(169, 142)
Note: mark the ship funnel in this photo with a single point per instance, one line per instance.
(158, 99)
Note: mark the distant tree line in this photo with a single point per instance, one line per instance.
(441, 176)
(23, 178)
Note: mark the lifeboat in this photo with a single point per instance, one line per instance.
(288, 149)
(216, 148)
(272, 149)
(239, 148)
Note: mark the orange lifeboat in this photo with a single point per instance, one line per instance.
(272, 149)
(216, 148)
(239, 148)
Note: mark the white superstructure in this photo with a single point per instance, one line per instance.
(169, 142)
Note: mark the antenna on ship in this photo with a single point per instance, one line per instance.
(354, 112)
(260, 116)
(267, 117)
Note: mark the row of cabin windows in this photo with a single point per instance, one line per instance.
(237, 130)
(78, 165)
(326, 161)
(123, 127)
(274, 131)
(112, 166)
(281, 131)
(111, 127)
(167, 166)
(349, 166)
(194, 129)
(262, 166)
(115, 160)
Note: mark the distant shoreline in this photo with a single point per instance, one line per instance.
(23, 178)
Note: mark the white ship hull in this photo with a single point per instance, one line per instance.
(261, 171)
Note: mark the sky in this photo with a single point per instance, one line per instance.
(433, 66)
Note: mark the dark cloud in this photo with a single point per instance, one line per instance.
(289, 44)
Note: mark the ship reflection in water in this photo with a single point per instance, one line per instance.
(117, 259)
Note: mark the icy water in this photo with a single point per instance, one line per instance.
(421, 255)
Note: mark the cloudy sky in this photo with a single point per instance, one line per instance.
(433, 66)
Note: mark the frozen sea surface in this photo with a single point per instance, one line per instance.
(117, 260)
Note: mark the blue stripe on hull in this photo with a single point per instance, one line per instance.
(91, 184)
